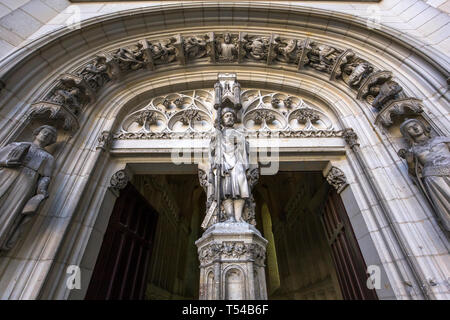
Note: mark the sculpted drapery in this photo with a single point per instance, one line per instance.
(235, 162)
(25, 173)
(428, 161)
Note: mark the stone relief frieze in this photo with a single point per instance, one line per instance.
(196, 47)
(286, 50)
(160, 52)
(231, 250)
(374, 86)
(320, 56)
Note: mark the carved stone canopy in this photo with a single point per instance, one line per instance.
(398, 108)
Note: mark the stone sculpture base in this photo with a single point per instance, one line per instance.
(231, 258)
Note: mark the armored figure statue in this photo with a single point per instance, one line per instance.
(25, 172)
(428, 160)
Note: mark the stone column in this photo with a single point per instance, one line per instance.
(234, 252)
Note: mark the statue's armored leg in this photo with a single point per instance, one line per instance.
(238, 209)
(229, 210)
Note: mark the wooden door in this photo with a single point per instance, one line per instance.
(347, 257)
(121, 268)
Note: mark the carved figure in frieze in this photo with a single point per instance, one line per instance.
(25, 173)
(385, 92)
(195, 47)
(357, 71)
(256, 47)
(321, 57)
(287, 51)
(96, 73)
(227, 48)
(163, 52)
(69, 97)
(130, 58)
(428, 160)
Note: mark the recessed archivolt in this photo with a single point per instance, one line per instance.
(76, 90)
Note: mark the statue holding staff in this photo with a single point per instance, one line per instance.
(231, 176)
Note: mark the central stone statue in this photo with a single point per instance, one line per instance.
(231, 251)
(229, 155)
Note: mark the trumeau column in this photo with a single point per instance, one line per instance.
(232, 250)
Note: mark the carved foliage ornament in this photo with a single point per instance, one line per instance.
(119, 180)
(336, 178)
(351, 138)
(104, 140)
(231, 250)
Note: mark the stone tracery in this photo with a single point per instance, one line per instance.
(191, 112)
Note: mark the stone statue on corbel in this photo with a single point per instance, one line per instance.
(231, 250)
(25, 172)
(428, 160)
(228, 177)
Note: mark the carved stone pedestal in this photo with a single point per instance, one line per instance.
(231, 258)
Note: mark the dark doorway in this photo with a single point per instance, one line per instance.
(148, 250)
(347, 257)
(312, 252)
(121, 268)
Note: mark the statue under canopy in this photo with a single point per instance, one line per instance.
(230, 159)
(428, 160)
(25, 172)
(230, 176)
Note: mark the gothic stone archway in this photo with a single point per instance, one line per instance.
(345, 75)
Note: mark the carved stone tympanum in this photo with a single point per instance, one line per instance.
(25, 173)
